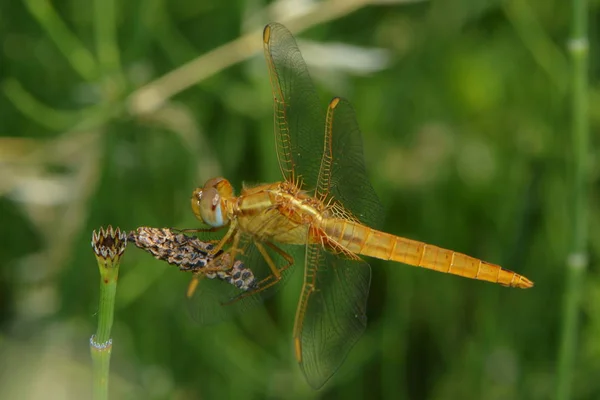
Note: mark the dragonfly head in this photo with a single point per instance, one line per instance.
(207, 202)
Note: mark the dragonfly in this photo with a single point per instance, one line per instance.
(326, 206)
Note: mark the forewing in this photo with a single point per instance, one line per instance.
(345, 178)
(299, 120)
(331, 314)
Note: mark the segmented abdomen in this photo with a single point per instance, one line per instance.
(360, 239)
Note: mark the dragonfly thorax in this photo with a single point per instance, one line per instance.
(209, 202)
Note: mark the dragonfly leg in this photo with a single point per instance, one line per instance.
(232, 230)
(274, 270)
(197, 230)
(225, 260)
(234, 250)
(196, 276)
(283, 254)
(274, 276)
(222, 262)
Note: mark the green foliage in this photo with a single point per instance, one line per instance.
(466, 130)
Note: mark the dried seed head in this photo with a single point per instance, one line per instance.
(192, 255)
(109, 245)
(188, 253)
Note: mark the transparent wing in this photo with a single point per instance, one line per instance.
(327, 156)
(331, 314)
(215, 300)
(299, 118)
(343, 175)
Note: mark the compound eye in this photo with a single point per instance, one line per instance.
(222, 185)
(211, 208)
(208, 202)
(195, 202)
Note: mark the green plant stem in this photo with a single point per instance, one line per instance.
(74, 51)
(101, 344)
(106, 311)
(46, 116)
(107, 49)
(105, 35)
(109, 246)
(101, 367)
(577, 260)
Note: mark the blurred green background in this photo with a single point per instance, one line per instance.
(465, 112)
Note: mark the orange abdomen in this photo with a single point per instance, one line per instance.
(363, 240)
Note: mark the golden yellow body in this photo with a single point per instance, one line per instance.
(281, 212)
